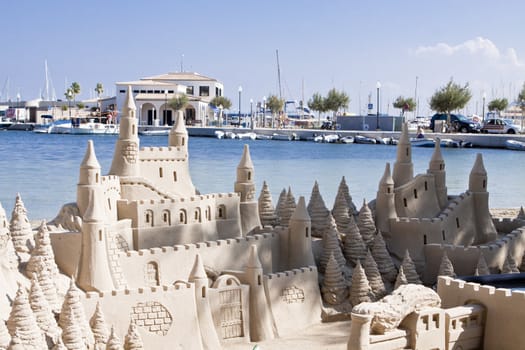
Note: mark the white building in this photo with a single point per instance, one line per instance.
(152, 95)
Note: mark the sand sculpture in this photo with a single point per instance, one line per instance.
(204, 270)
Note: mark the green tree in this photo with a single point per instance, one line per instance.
(80, 105)
(449, 98)
(69, 97)
(275, 105)
(221, 100)
(178, 102)
(317, 103)
(336, 100)
(404, 104)
(498, 105)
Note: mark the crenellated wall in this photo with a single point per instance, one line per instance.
(465, 258)
(165, 316)
(506, 225)
(294, 299)
(229, 254)
(417, 198)
(505, 315)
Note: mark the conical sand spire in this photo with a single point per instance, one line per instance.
(43, 313)
(197, 272)
(410, 269)
(341, 213)
(99, 327)
(360, 291)
(318, 212)
(20, 227)
(22, 322)
(482, 267)
(331, 247)
(133, 341)
(374, 277)
(266, 209)
(114, 342)
(343, 188)
(354, 247)
(446, 268)
(280, 208)
(509, 265)
(366, 224)
(334, 288)
(401, 279)
(382, 257)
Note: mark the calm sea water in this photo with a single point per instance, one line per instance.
(44, 168)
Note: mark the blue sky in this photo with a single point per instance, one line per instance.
(348, 45)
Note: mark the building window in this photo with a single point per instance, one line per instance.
(457, 222)
(166, 216)
(307, 233)
(133, 130)
(122, 91)
(415, 193)
(150, 91)
(99, 235)
(443, 234)
(171, 92)
(484, 183)
(249, 175)
(157, 92)
(203, 291)
(189, 90)
(405, 202)
(96, 178)
(142, 91)
(182, 216)
(174, 176)
(426, 186)
(408, 151)
(259, 279)
(424, 239)
(198, 215)
(149, 217)
(135, 91)
(221, 212)
(204, 91)
(109, 203)
(160, 172)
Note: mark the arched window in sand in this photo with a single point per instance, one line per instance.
(249, 175)
(133, 130)
(183, 219)
(148, 217)
(166, 217)
(97, 177)
(221, 212)
(203, 291)
(109, 203)
(484, 184)
(405, 202)
(208, 213)
(197, 215)
(174, 176)
(415, 193)
(152, 274)
(426, 186)
(183, 141)
(161, 172)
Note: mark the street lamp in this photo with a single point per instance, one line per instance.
(220, 115)
(483, 108)
(240, 91)
(378, 86)
(251, 113)
(69, 97)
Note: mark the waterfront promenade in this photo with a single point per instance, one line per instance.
(477, 140)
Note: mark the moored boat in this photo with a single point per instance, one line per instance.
(364, 139)
(154, 132)
(346, 139)
(515, 145)
(247, 135)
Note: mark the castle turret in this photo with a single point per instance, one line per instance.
(89, 177)
(126, 157)
(300, 238)
(179, 134)
(93, 270)
(198, 277)
(436, 167)
(385, 201)
(485, 229)
(245, 186)
(403, 167)
(261, 323)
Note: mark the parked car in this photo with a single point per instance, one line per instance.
(500, 126)
(458, 122)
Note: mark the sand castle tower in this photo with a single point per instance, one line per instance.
(300, 238)
(436, 167)
(385, 201)
(89, 177)
(261, 324)
(179, 134)
(126, 156)
(485, 230)
(245, 186)
(198, 277)
(403, 167)
(93, 270)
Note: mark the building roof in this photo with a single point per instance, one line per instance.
(145, 81)
(183, 76)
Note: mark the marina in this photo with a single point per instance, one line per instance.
(36, 162)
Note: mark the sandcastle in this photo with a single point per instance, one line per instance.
(143, 260)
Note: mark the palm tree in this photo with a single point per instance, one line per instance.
(335, 101)
(75, 89)
(69, 96)
(221, 101)
(498, 105)
(99, 89)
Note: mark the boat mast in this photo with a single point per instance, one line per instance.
(47, 83)
(279, 74)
